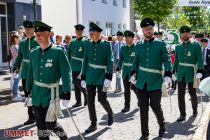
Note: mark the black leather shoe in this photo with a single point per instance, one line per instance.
(126, 109)
(110, 120)
(144, 137)
(162, 130)
(77, 105)
(180, 119)
(195, 114)
(29, 121)
(85, 103)
(91, 129)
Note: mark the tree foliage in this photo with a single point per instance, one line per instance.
(198, 17)
(176, 19)
(158, 10)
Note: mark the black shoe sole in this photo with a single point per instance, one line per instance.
(180, 120)
(29, 123)
(87, 131)
(124, 111)
(76, 106)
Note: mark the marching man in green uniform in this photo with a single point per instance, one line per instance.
(22, 62)
(75, 54)
(97, 73)
(48, 64)
(188, 66)
(127, 55)
(151, 55)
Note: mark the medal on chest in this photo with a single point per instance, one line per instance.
(132, 54)
(80, 49)
(49, 63)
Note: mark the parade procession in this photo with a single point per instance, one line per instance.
(89, 81)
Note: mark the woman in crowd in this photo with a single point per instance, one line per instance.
(14, 45)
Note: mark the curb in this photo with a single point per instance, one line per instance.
(202, 127)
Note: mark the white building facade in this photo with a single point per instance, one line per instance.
(110, 15)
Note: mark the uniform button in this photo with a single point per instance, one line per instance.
(147, 65)
(40, 80)
(40, 73)
(147, 59)
(41, 67)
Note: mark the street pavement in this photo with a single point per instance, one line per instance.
(126, 125)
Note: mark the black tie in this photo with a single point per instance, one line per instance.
(204, 56)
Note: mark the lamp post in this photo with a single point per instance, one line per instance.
(34, 9)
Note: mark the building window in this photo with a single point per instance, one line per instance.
(124, 27)
(124, 3)
(104, 1)
(115, 2)
(120, 26)
(109, 28)
(2, 9)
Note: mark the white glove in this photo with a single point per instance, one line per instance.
(173, 77)
(107, 83)
(167, 80)
(28, 101)
(199, 75)
(60, 82)
(83, 84)
(133, 79)
(65, 103)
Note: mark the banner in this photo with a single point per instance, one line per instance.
(171, 37)
(194, 2)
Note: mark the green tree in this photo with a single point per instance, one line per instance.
(155, 9)
(177, 19)
(198, 17)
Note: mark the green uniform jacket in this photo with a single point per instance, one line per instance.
(47, 67)
(76, 49)
(23, 56)
(190, 53)
(151, 54)
(127, 55)
(99, 53)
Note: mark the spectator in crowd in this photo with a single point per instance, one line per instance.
(21, 32)
(58, 40)
(67, 41)
(116, 47)
(14, 45)
(52, 40)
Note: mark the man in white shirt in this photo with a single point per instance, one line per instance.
(206, 57)
(116, 52)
